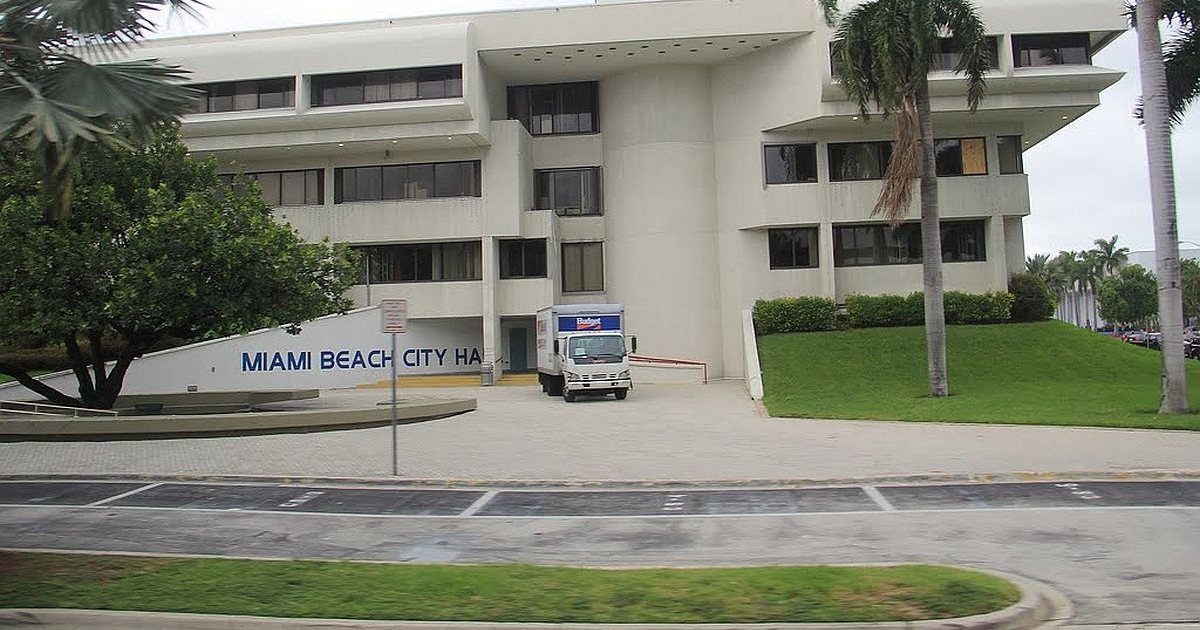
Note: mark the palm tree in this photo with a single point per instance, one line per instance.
(1166, 93)
(1039, 265)
(1111, 256)
(881, 54)
(1092, 272)
(55, 96)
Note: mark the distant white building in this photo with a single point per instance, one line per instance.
(1082, 307)
(682, 157)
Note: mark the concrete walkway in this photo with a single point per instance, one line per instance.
(687, 433)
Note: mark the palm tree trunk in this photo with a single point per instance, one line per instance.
(931, 253)
(1155, 109)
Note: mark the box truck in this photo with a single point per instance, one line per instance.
(581, 351)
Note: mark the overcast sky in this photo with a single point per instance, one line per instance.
(1088, 181)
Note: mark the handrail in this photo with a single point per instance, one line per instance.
(645, 359)
(35, 408)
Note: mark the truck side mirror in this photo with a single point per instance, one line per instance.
(555, 346)
(633, 343)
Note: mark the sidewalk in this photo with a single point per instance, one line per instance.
(683, 433)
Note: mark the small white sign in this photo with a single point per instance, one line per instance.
(393, 316)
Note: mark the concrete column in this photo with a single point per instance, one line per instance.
(825, 260)
(661, 258)
(997, 252)
(493, 343)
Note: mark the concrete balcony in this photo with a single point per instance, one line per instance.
(427, 299)
(451, 219)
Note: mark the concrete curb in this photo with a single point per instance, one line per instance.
(884, 480)
(141, 427)
(1040, 606)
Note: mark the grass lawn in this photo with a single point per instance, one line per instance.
(1040, 373)
(496, 593)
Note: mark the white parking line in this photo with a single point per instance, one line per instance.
(125, 494)
(879, 499)
(479, 503)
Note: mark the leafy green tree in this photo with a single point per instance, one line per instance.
(1130, 298)
(157, 246)
(1189, 270)
(1167, 90)
(882, 54)
(54, 98)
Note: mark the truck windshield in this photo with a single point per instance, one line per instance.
(596, 348)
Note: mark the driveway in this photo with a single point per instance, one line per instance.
(700, 433)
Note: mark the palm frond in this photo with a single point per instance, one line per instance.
(142, 93)
(829, 10)
(904, 167)
(92, 22)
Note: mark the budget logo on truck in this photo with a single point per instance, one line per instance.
(587, 323)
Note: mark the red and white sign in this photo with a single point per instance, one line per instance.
(393, 316)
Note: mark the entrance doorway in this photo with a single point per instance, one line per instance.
(518, 349)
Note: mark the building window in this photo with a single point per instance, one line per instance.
(850, 161)
(523, 258)
(949, 53)
(1052, 50)
(1011, 162)
(570, 191)
(287, 188)
(383, 86)
(790, 163)
(560, 108)
(792, 248)
(422, 262)
(407, 181)
(960, 156)
(246, 95)
(582, 267)
(861, 245)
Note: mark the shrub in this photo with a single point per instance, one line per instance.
(978, 308)
(877, 311)
(798, 314)
(1033, 300)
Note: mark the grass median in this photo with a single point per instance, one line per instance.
(497, 593)
(1042, 373)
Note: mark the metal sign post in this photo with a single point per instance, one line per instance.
(393, 319)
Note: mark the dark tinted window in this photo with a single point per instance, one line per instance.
(1010, 149)
(582, 267)
(1052, 50)
(960, 156)
(858, 245)
(790, 163)
(523, 259)
(408, 181)
(555, 109)
(382, 86)
(792, 248)
(949, 53)
(422, 262)
(573, 191)
(246, 95)
(849, 161)
(288, 188)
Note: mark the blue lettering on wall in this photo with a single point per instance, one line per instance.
(460, 356)
(353, 359)
(326, 360)
(258, 364)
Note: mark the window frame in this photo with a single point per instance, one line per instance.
(342, 175)
(814, 246)
(229, 179)
(876, 144)
(795, 147)
(596, 174)
(393, 79)
(961, 162)
(582, 245)
(1019, 145)
(525, 244)
(947, 47)
(204, 102)
(521, 106)
(1022, 38)
(883, 242)
(421, 253)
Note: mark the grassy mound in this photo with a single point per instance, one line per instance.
(349, 590)
(1040, 373)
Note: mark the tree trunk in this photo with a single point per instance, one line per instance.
(931, 253)
(32, 384)
(1155, 115)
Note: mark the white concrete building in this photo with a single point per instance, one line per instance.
(683, 157)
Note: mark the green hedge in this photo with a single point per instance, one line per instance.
(1033, 299)
(798, 314)
(881, 311)
(978, 308)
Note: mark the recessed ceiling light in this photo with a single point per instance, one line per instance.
(741, 41)
(628, 54)
(662, 52)
(758, 46)
(568, 57)
(450, 137)
(724, 48)
(537, 58)
(599, 55)
(693, 50)
(341, 144)
(774, 39)
(1066, 117)
(645, 45)
(612, 47)
(676, 45)
(516, 54)
(578, 50)
(708, 43)
(395, 141)
(854, 118)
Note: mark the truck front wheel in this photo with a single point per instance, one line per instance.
(621, 394)
(569, 396)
